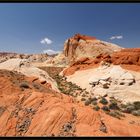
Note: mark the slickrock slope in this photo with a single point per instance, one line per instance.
(113, 81)
(85, 46)
(81, 64)
(34, 109)
(24, 66)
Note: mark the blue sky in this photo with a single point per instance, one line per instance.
(23, 26)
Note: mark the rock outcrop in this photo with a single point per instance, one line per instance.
(24, 66)
(31, 57)
(127, 56)
(85, 46)
(34, 109)
(111, 80)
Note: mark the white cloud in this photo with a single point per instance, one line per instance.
(46, 41)
(116, 37)
(50, 52)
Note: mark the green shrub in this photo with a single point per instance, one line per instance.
(83, 99)
(129, 109)
(137, 105)
(105, 108)
(123, 106)
(93, 99)
(103, 101)
(94, 102)
(96, 108)
(87, 102)
(116, 114)
(113, 105)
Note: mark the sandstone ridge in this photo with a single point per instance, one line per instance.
(85, 46)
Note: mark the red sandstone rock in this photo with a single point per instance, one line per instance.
(31, 112)
(127, 58)
(80, 46)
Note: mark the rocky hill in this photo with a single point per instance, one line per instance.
(85, 46)
(31, 108)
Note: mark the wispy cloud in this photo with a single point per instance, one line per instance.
(116, 37)
(50, 52)
(46, 41)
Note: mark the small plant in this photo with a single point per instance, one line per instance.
(24, 85)
(116, 114)
(137, 105)
(103, 101)
(123, 106)
(87, 102)
(113, 105)
(94, 102)
(105, 108)
(96, 108)
(83, 99)
(136, 112)
(93, 99)
(129, 108)
(83, 95)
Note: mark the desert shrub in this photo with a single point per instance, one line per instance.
(103, 101)
(113, 105)
(83, 99)
(87, 102)
(83, 95)
(122, 106)
(94, 102)
(116, 114)
(66, 92)
(24, 85)
(137, 105)
(105, 108)
(129, 108)
(96, 108)
(93, 99)
(136, 112)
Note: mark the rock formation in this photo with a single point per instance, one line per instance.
(24, 66)
(111, 80)
(34, 109)
(85, 46)
(127, 56)
(31, 57)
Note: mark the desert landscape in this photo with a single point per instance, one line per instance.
(90, 88)
(69, 70)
